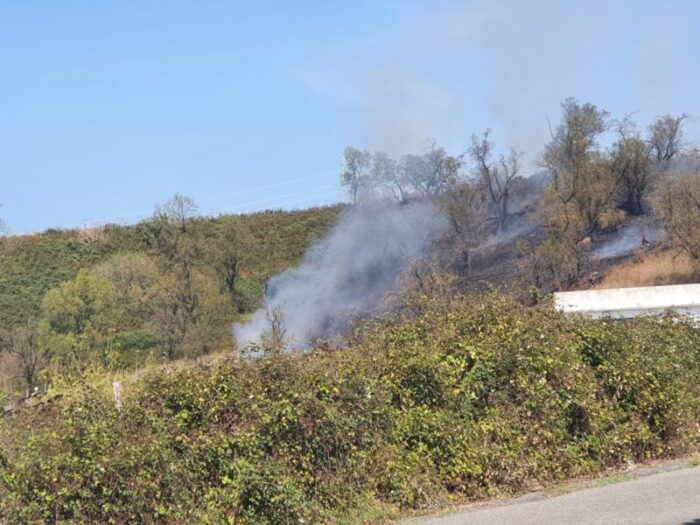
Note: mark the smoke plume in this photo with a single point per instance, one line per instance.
(629, 238)
(346, 274)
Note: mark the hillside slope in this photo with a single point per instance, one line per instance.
(33, 264)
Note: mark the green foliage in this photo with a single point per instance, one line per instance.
(83, 303)
(473, 397)
(104, 294)
(32, 265)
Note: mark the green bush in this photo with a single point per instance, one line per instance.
(477, 397)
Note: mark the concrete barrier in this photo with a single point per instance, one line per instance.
(625, 303)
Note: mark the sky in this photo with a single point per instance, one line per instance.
(108, 108)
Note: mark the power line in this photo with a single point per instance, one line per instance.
(268, 186)
(279, 205)
(116, 218)
(275, 198)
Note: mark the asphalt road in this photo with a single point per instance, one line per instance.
(666, 498)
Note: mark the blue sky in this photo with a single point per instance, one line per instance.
(108, 108)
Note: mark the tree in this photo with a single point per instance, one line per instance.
(665, 137)
(637, 162)
(79, 317)
(173, 312)
(410, 169)
(190, 315)
(433, 172)
(86, 302)
(178, 210)
(465, 206)
(355, 175)
(187, 299)
(582, 188)
(227, 253)
(388, 173)
(555, 264)
(22, 342)
(497, 179)
(375, 174)
(132, 275)
(179, 249)
(677, 201)
(274, 338)
(578, 202)
(631, 164)
(172, 229)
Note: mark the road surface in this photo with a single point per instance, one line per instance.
(666, 498)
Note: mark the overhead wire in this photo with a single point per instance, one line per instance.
(223, 209)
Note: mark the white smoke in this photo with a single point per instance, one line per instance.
(347, 273)
(630, 237)
(446, 68)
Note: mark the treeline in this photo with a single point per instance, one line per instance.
(119, 297)
(586, 189)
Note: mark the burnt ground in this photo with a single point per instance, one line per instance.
(495, 264)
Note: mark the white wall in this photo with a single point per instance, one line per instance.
(624, 303)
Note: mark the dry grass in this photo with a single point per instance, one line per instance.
(9, 372)
(91, 234)
(655, 269)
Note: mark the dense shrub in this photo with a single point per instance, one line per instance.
(473, 398)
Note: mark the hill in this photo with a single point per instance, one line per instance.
(33, 264)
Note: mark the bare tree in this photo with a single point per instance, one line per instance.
(274, 337)
(665, 137)
(499, 178)
(178, 210)
(22, 342)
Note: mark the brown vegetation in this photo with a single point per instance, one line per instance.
(9, 371)
(654, 269)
